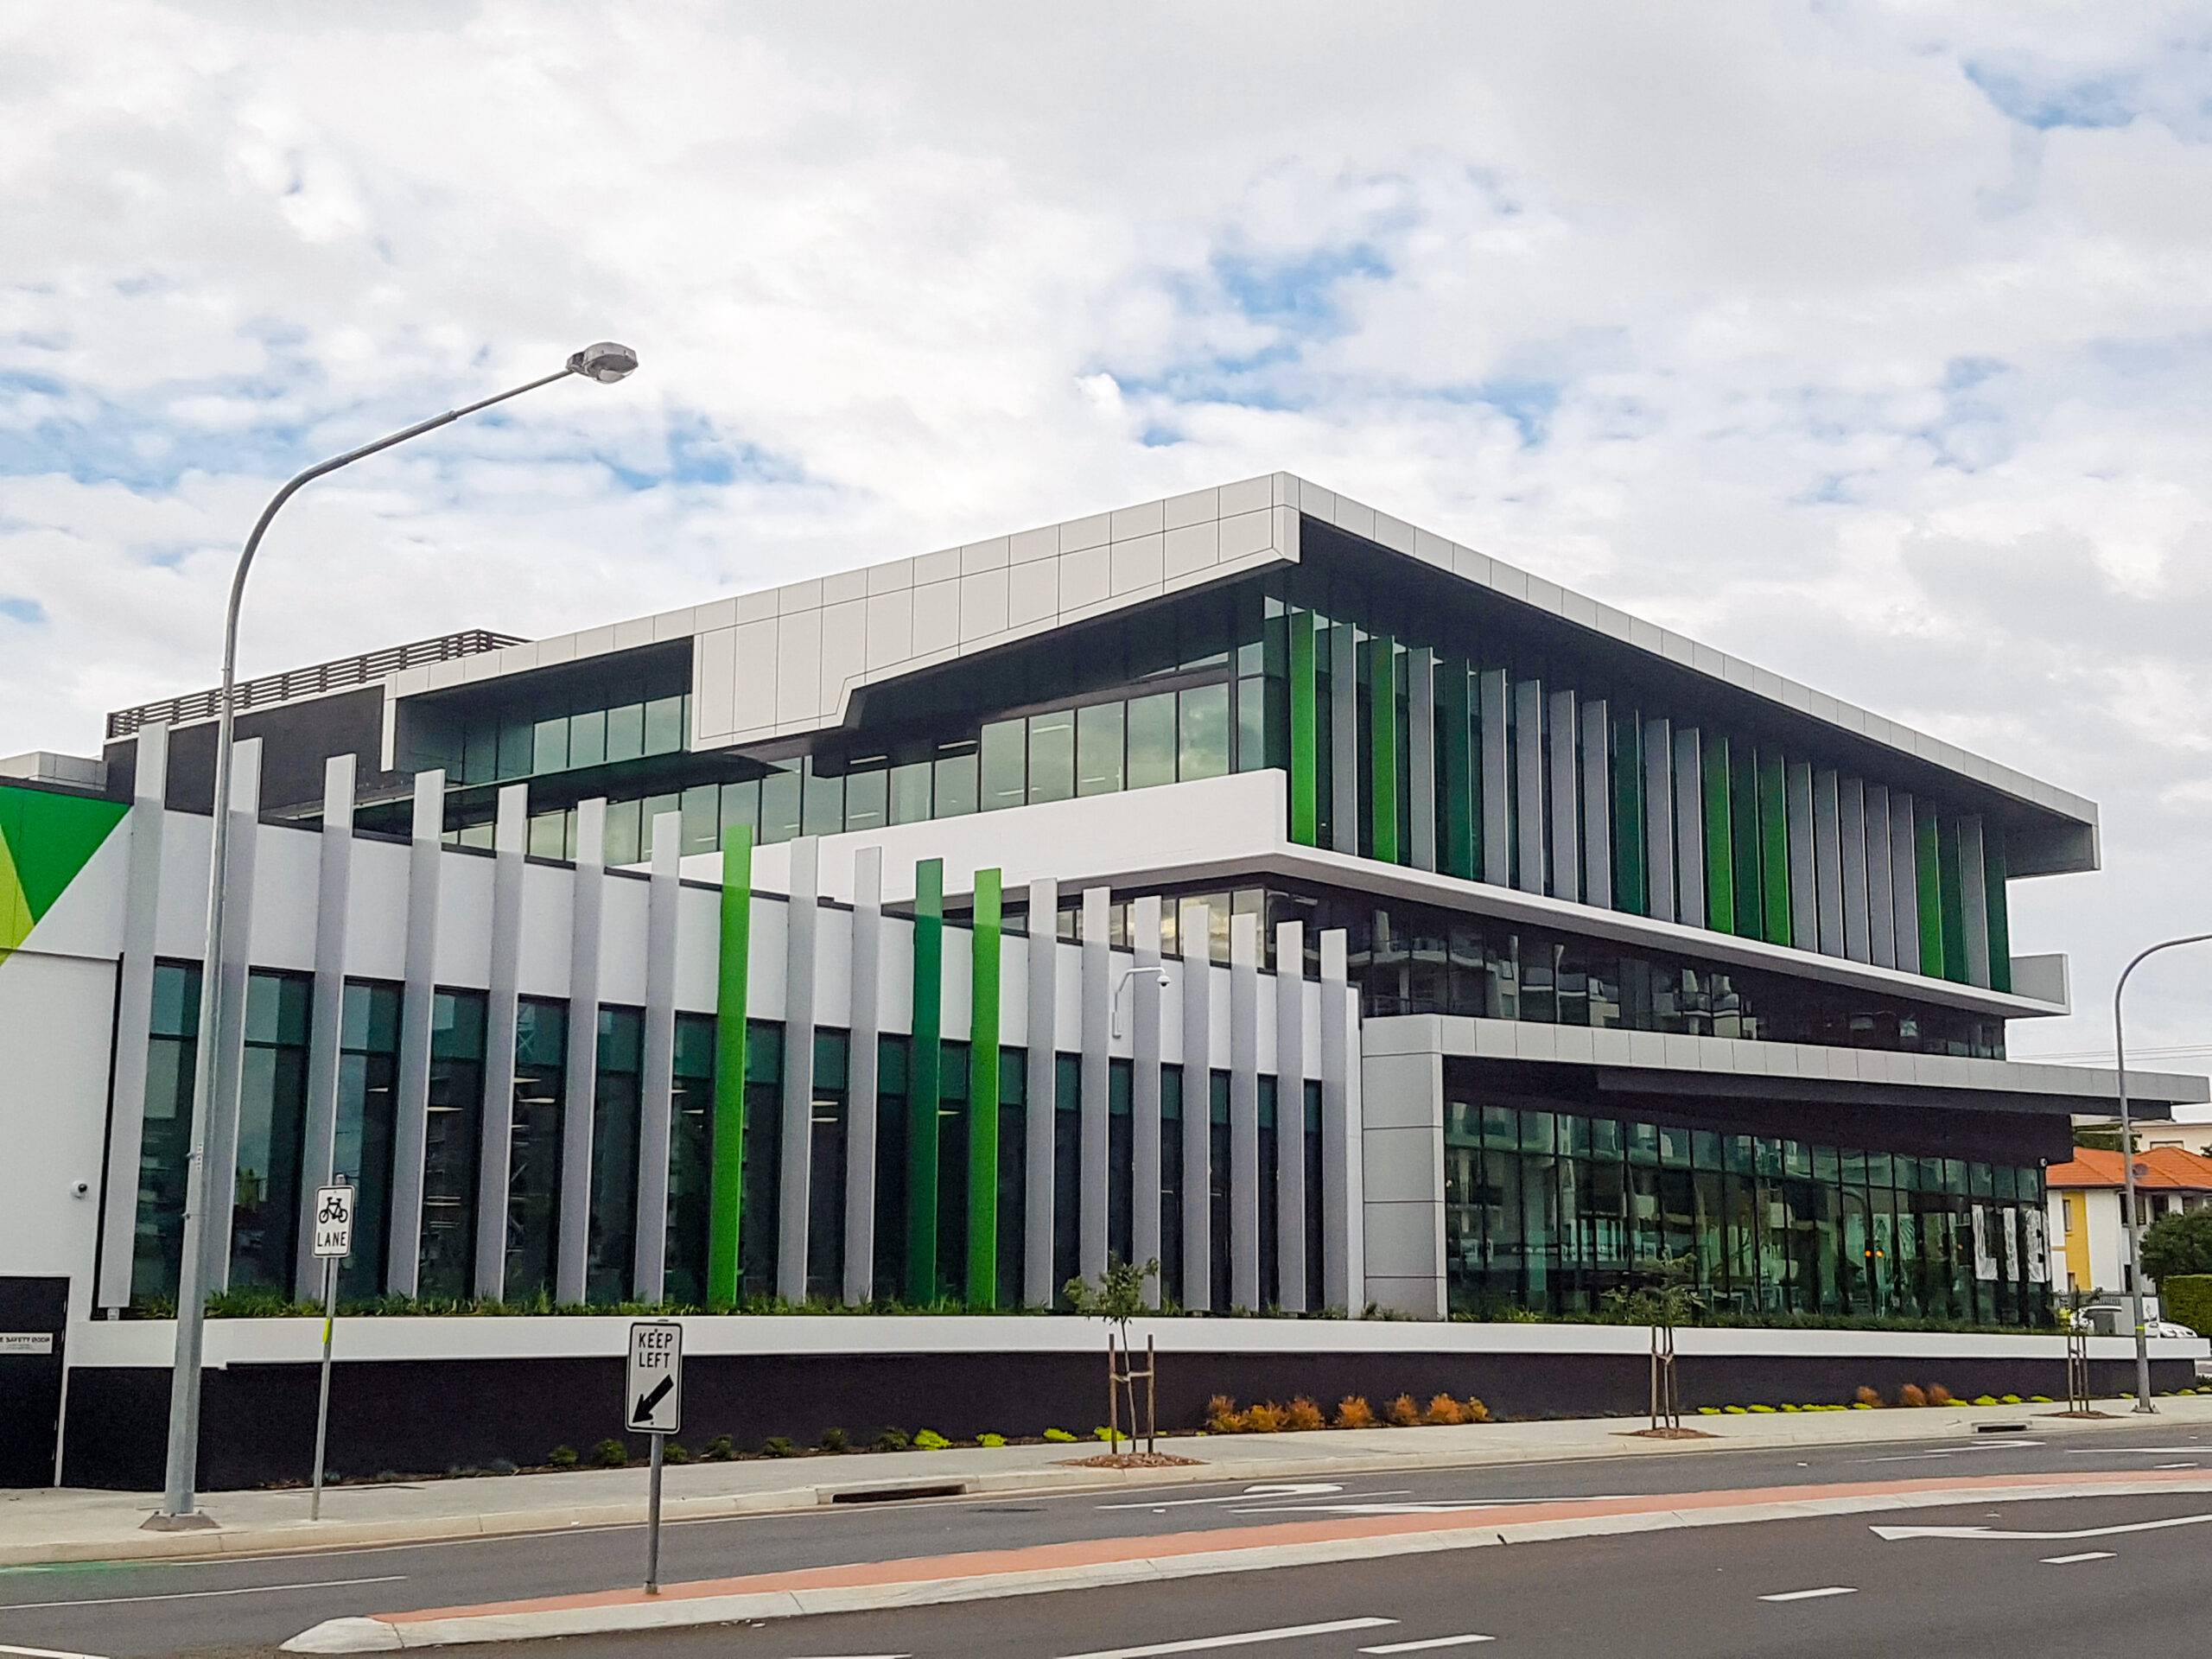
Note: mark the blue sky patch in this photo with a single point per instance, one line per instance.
(29, 612)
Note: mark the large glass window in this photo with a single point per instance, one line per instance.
(764, 1160)
(541, 1090)
(1152, 740)
(272, 1118)
(825, 1197)
(368, 1101)
(617, 1092)
(1004, 748)
(1052, 757)
(1098, 749)
(166, 1148)
(1203, 744)
(450, 1144)
(691, 1158)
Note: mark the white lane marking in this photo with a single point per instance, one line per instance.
(2173, 1465)
(199, 1595)
(47, 1653)
(1892, 1534)
(2086, 1555)
(1950, 1452)
(2130, 1450)
(1199, 1644)
(1314, 1489)
(1431, 1645)
(1812, 1595)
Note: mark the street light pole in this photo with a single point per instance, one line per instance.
(606, 362)
(2143, 1406)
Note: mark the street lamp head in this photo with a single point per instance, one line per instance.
(604, 360)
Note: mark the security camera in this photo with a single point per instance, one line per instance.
(81, 1189)
(1164, 980)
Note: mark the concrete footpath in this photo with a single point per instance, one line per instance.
(50, 1526)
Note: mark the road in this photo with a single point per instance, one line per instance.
(247, 1607)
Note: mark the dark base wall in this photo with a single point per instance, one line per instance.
(420, 1417)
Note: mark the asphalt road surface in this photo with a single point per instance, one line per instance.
(247, 1607)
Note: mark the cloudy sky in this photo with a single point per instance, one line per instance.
(1868, 342)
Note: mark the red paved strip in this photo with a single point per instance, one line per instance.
(1105, 1551)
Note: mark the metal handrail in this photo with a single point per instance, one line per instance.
(334, 676)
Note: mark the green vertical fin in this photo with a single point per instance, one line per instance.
(1383, 679)
(983, 1096)
(1953, 895)
(1455, 719)
(1631, 887)
(726, 1186)
(1744, 839)
(924, 1081)
(1993, 865)
(1719, 849)
(1774, 845)
(1929, 868)
(1304, 758)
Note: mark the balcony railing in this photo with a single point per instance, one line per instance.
(346, 671)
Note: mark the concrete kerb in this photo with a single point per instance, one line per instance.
(375, 1635)
(1604, 1439)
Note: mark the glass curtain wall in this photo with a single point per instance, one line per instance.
(368, 1100)
(617, 1097)
(1549, 1210)
(449, 1157)
(541, 1090)
(690, 1167)
(166, 1148)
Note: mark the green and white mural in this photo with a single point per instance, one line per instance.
(45, 840)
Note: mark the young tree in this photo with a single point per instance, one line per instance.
(1117, 1297)
(1663, 1300)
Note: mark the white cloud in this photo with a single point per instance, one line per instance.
(1866, 341)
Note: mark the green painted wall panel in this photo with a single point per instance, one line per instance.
(1719, 846)
(1624, 757)
(1458, 847)
(1383, 729)
(1774, 846)
(1994, 867)
(1744, 840)
(1304, 758)
(53, 837)
(983, 1095)
(924, 1081)
(1952, 897)
(1929, 864)
(726, 1184)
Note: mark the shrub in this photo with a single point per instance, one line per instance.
(675, 1452)
(892, 1440)
(1104, 1434)
(1443, 1410)
(1708, 1411)
(2044, 1399)
(1473, 1411)
(1985, 1399)
(1402, 1412)
(1871, 1397)
(1765, 1411)
(1222, 1416)
(779, 1446)
(1940, 1396)
(929, 1439)
(1789, 1407)
(2186, 1299)
(2010, 1399)
(834, 1440)
(1058, 1437)
(1265, 1420)
(990, 1440)
(610, 1453)
(562, 1456)
(1302, 1413)
(1354, 1412)
(1912, 1395)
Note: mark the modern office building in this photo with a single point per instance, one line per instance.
(1250, 879)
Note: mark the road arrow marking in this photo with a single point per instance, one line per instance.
(1312, 1489)
(1892, 1535)
(1242, 1638)
(647, 1401)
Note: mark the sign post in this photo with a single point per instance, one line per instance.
(652, 1402)
(334, 1243)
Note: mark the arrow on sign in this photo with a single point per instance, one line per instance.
(1893, 1533)
(647, 1401)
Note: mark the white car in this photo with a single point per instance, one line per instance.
(2118, 1319)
